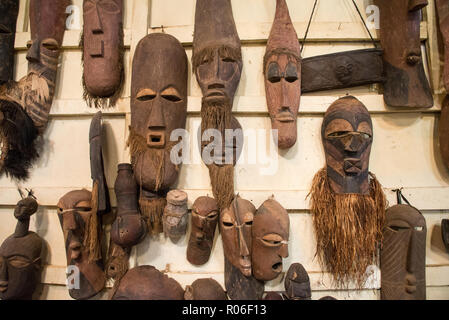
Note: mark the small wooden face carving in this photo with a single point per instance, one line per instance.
(236, 230)
(297, 283)
(74, 213)
(102, 44)
(347, 135)
(8, 16)
(283, 90)
(158, 107)
(270, 234)
(403, 255)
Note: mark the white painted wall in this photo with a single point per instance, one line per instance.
(405, 151)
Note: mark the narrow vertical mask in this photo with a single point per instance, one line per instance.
(9, 10)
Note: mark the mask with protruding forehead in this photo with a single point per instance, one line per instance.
(403, 254)
(158, 106)
(236, 224)
(347, 134)
(74, 213)
(8, 19)
(102, 45)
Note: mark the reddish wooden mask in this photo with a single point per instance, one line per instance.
(347, 134)
(9, 10)
(270, 234)
(158, 106)
(204, 221)
(20, 256)
(406, 84)
(76, 216)
(102, 49)
(236, 230)
(282, 70)
(403, 254)
(443, 19)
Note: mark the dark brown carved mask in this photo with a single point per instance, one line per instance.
(205, 289)
(236, 230)
(270, 234)
(102, 50)
(445, 233)
(9, 10)
(158, 107)
(297, 283)
(77, 217)
(203, 223)
(148, 283)
(406, 83)
(20, 256)
(403, 254)
(443, 19)
(175, 216)
(347, 134)
(443, 131)
(282, 70)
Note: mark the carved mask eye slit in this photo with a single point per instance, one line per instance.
(146, 95)
(248, 219)
(272, 240)
(273, 74)
(50, 44)
(212, 215)
(109, 6)
(171, 94)
(291, 73)
(227, 221)
(338, 134)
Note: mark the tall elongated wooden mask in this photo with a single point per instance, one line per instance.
(270, 234)
(20, 256)
(443, 19)
(403, 254)
(217, 64)
(102, 43)
(9, 10)
(406, 84)
(347, 134)
(344, 192)
(282, 70)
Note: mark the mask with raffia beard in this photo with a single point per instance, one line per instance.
(347, 202)
(217, 64)
(26, 104)
(158, 107)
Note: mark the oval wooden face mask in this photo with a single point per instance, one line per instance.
(9, 10)
(347, 135)
(102, 51)
(158, 107)
(403, 254)
(270, 234)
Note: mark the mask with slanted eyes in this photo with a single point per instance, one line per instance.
(204, 221)
(236, 224)
(9, 10)
(102, 51)
(282, 70)
(297, 283)
(148, 283)
(20, 256)
(347, 135)
(403, 254)
(406, 84)
(79, 223)
(270, 234)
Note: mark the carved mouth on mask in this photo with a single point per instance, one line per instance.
(277, 267)
(285, 116)
(352, 166)
(413, 58)
(156, 139)
(75, 247)
(3, 286)
(245, 266)
(199, 236)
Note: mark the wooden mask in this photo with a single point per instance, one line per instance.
(148, 283)
(445, 233)
(282, 71)
(9, 10)
(443, 19)
(236, 224)
(20, 256)
(347, 134)
(203, 223)
(78, 217)
(176, 215)
(102, 44)
(297, 283)
(270, 234)
(443, 131)
(406, 84)
(403, 254)
(205, 289)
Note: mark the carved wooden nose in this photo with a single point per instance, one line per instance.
(97, 28)
(352, 143)
(156, 118)
(33, 52)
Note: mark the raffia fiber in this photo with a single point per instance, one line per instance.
(348, 229)
(222, 181)
(91, 236)
(118, 264)
(152, 210)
